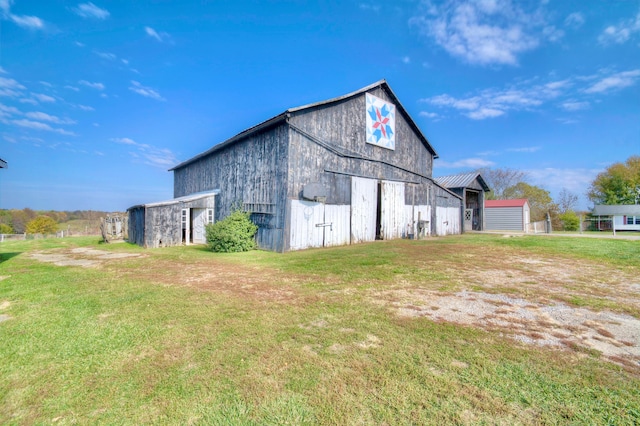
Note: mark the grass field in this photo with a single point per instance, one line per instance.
(180, 335)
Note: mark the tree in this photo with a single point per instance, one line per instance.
(499, 180)
(618, 184)
(42, 225)
(567, 201)
(540, 202)
(570, 220)
(5, 229)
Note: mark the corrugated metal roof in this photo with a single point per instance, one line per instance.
(616, 210)
(462, 180)
(284, 116)
(183, 199)
(520, 202)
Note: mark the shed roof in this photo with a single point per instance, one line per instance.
(185, 199)
(519, 202)
(462, 181)
(616, 210)
(286, 114)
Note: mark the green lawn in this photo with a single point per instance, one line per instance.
(185, 336)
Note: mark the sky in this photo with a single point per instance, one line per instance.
(99, 99)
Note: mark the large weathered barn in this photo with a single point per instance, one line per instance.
(350, 169)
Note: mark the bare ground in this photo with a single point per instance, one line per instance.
(531, 299)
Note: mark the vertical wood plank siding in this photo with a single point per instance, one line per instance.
(251, 171)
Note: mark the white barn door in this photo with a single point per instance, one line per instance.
(392, 215)
(364, 202)
(199, 219)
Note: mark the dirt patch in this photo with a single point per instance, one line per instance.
(81, 256)
(613, 335)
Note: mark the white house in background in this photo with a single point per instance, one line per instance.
(624, 217)
(506, 215)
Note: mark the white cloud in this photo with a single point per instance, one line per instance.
(614, 82)
(574, 20)
(36, 125)
(485, 32)
(575, 105)
(97, 86)
(75, 89)
(106, 55)
(162, 37)
(431, 115)
(10, 84)
(620, 33)
(145, 91)
(90, 10)
(528, 149)
(150, 155)
(86, 107)
(554, 179)
(43, 98)
(406, 60)
(50, 118)
(29, 22)
(474, 163)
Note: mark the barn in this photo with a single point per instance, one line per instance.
(507, 215)
(346, 170)
(471, 187)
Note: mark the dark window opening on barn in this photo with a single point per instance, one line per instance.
(473, 204)
(379, 213)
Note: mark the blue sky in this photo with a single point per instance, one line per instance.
(99, 99)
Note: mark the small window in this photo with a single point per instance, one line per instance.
(637, 220)
(209, 215)
(629, 220)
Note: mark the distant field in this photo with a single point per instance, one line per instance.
(472, 329)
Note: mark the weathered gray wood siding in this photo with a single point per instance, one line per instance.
(136, 225)
(250, 172)
(504, 219)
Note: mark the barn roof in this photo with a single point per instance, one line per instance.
(286, 114)
(185, 199)
(462, 181)
(616, 210)
(520, 202)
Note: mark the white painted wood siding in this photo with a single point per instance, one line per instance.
(392, 214)
(447, 220)
(364, 201)
(411, 218)
(339, 233)
(303, 231)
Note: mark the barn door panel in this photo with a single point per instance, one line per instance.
(303, 230)
(364, 202)
(392, 210)
(199, 219)
(338, 217)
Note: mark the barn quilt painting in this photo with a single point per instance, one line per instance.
(381, 122)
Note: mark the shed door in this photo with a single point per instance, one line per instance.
(199, 218)
(364, 203)
(392, 223)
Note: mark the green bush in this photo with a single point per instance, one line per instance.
(232, 234)
(570, 221)
(5, 229)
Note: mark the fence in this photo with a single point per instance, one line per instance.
(25, 236)
(539, 227)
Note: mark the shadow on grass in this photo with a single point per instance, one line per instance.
(6, 256)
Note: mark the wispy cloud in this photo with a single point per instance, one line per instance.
(474, 163)
(150, 155)
(526, 149)
(570, 94)
(161, 36)
(10, 87)
(37, 125)
(91, 11)
(614, 82)
(24, 21)
(621, 32)
(97, 86)
(574, 20)
(106, 55)
(148, 92)
(488, 32)
(41, 116)
(41, 97)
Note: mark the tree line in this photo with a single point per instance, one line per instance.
(617, 184)
(14, 221)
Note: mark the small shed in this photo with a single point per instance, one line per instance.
(471, 187)
(507, 215)
(174, 222)
(622, 217)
